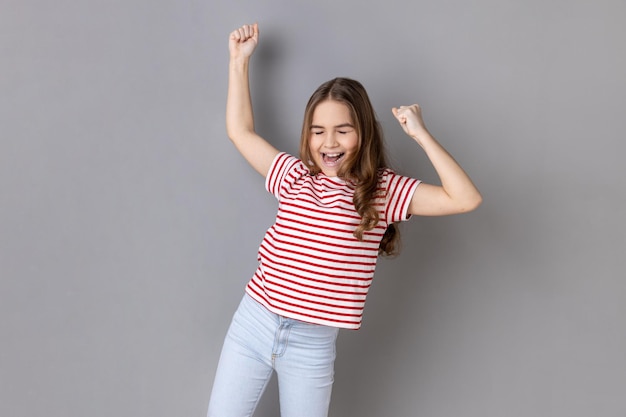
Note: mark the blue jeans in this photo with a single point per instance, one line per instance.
(260, 342)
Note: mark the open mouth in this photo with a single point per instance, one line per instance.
(332, 158)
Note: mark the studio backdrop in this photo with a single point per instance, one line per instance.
(129, 223)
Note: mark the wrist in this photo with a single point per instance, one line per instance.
(239, 61)
(421, 135)
(238, 66)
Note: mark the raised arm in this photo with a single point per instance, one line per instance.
(457, 193)
(239, 117)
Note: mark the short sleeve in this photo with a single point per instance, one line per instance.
(399, 192)
(283, 172)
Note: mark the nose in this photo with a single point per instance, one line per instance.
(330, 140)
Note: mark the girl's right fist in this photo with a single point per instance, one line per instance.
(243, 41)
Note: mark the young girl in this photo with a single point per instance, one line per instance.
(338, 203)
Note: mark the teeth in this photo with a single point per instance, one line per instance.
(332, 155)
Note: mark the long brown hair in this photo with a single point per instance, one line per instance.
(363, 167)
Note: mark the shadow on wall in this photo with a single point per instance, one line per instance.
(265, 84)
(410, 292)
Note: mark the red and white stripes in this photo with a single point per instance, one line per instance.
(311, 267)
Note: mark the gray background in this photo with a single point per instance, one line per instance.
(129, 223)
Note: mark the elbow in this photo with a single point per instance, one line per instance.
(467, 203)
(231, 132)
(473, 203)
(237, 134)
(234, 135)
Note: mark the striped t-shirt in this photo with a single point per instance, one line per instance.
(311, 267)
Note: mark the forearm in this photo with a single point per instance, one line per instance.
(454, 180)
(239, 115)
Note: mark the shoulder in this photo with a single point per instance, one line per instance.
(384, 176)
(285, 162)
(285, 169)
(391, 182)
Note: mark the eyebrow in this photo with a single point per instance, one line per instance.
(338, 126)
